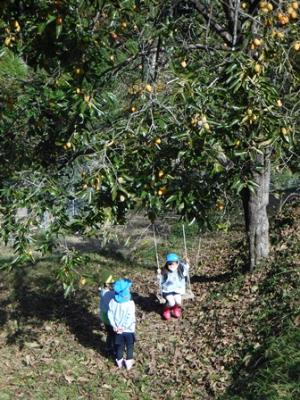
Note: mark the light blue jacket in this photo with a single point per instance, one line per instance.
(173, 282)
(122, 315)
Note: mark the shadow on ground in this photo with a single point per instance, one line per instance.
(37, 304)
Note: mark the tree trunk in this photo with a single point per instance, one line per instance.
(255, 208)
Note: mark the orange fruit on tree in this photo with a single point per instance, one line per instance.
(296, 46)
(295, 5)
(279, 16)
(257, 68)
(284, 20)
(280, 35)
(294, 15)
(162, 191)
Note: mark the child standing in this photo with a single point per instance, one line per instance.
(172, 282)
(121, 314)
(106, 294)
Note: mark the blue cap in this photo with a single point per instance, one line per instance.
(122, 294)
(172, 257)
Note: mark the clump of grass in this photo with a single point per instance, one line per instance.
(273, 372)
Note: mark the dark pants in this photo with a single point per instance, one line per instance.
(125, 340)
(110, 337)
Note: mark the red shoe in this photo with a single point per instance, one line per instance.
(176, 312)
(167, 313)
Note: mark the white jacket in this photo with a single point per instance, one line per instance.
(122, 315)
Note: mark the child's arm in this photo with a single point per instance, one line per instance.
(186, 268)
(158, 274)
(110, 315)
(187, 261)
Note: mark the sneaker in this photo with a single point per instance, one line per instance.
(119, 363)
(176, 312)
(167, 313)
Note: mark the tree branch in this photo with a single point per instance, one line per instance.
(219, 29)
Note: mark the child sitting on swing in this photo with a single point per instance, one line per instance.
(172, 283)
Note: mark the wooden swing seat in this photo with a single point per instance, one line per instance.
(186, 296)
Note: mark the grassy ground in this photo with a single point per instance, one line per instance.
(238, 339)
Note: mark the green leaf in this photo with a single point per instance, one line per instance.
(266, 143)
(58, 30)
(41, 28)
(239, 153)
(114, 192)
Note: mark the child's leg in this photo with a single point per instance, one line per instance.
(170, 300)
(177, 299)
(110, 337)
(170, 303)
(176, 310)
(120, 351)
(129, 351)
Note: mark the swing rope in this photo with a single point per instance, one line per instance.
(155, 245)
(156, 253)
(188, 281)
(184, 240)
(198, 252)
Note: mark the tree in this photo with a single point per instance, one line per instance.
(171, 105)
